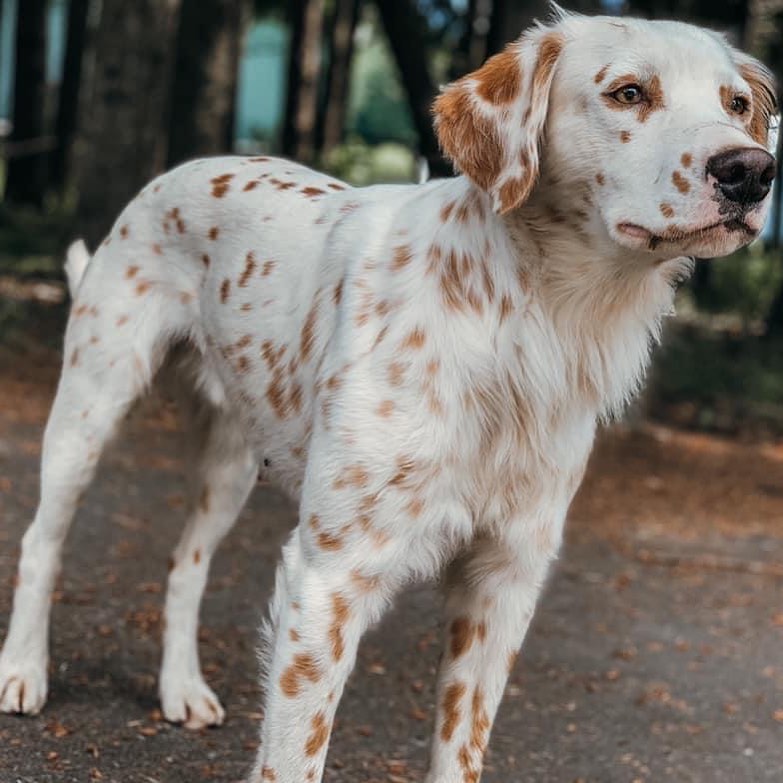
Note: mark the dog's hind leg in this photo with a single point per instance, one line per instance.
(113, 346)
(221, 475)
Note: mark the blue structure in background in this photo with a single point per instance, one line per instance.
(261, 90)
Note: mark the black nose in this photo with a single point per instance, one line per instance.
(744, 175)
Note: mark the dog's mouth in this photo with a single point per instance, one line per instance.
(680, 236)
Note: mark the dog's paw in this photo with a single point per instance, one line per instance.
(22, 687)
(191, 702)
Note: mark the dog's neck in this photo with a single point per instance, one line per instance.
(606, 303)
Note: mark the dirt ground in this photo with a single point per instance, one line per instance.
(656, 653)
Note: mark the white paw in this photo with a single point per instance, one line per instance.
(22, 687)
(191, 702)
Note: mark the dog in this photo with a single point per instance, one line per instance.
(422, 368)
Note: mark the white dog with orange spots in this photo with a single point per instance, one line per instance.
(421, 367)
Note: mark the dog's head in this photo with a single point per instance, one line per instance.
(655, 134)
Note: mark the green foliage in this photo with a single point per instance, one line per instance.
(744, 283)
(378, 110)
(362, 164)
(714, 380)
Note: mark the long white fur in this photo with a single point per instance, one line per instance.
(423, 375)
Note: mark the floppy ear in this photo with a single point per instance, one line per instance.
(490, 122)
(765, 104)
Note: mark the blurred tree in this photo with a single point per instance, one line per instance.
(123, 138)
(510, 17)
(26, 176)
(344, 19)
(404, 28)
(68, 98)
(306, 21)
(203, 93)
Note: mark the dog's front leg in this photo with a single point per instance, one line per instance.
(326, 595)
(491, 596)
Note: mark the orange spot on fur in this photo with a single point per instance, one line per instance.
(415, 339)
(319, 735)
(599, 77)
(686, 160)
(303, 668)
(250, 265)
(451, 711)
(225, 289)
(680, 182)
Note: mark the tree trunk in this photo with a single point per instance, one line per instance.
(510, 18)
(203, 97)
(402, 23)
(68, 100)
(338, 78)
(304, 64)
(25, 182)
(124, 136)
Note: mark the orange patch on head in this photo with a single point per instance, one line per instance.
(680, 182)
(469, 138)
(130, 272)
(451, 711)
(312, 192)
(500, 78)
(252, 185)
(599, 77)
(686, 160)
(654, 98)
(268, 774)
(625, 137)
(267, 268)
(142, 288)
(214, 232)
(123, 232)
(764, 103)
(666, 210)
(225, 289)
(303, 668)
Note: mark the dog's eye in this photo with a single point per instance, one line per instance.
(739, 104)
(628, 94)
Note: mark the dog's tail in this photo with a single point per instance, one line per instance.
(77, 257)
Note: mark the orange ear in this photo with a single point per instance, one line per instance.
(765, 104)
(490, 122)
